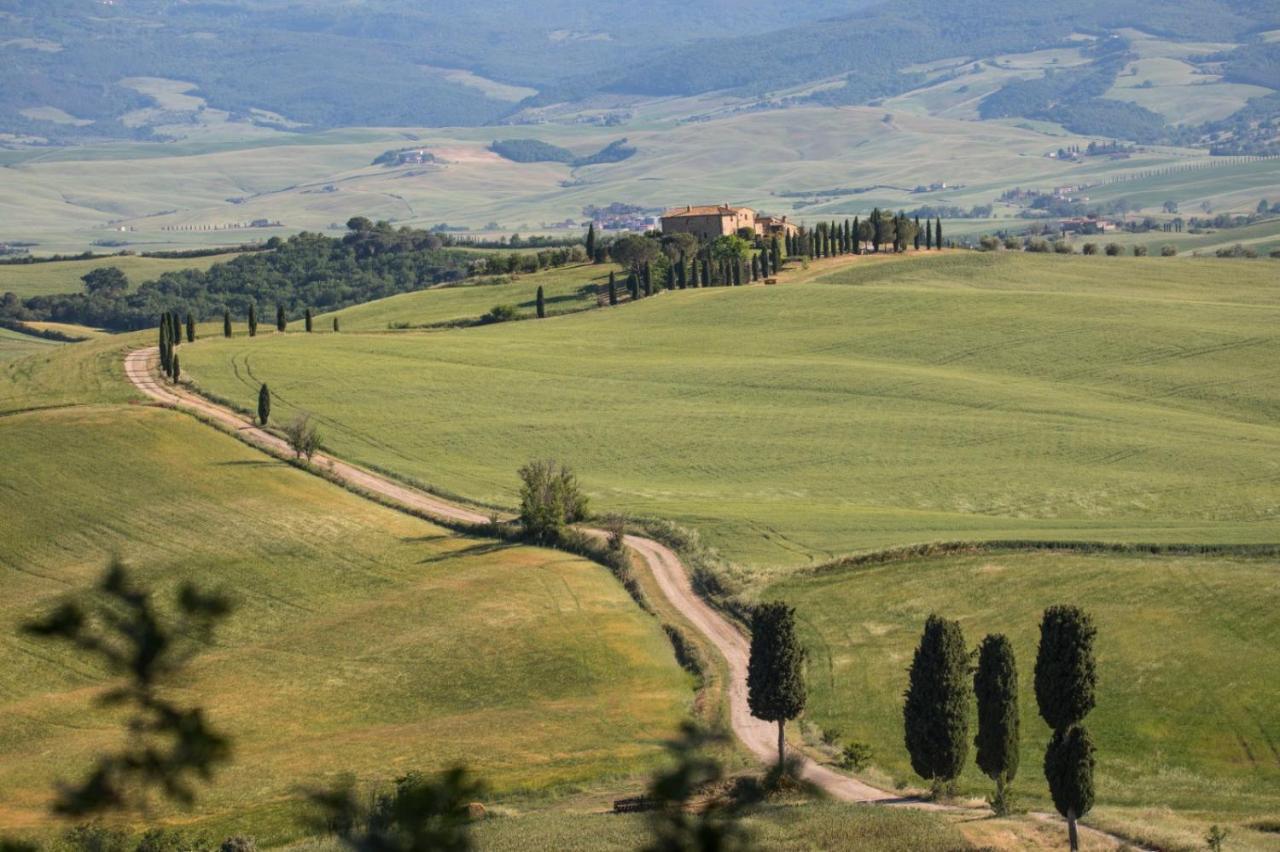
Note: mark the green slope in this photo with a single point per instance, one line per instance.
(965, 396)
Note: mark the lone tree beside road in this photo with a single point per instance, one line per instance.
(996, 685)
(226, 323)
(550, 498)
(542, 304)
(264, 404)
(1066, 681)
(775, 672)
(303, 437)
(936, 712)
(280, 323)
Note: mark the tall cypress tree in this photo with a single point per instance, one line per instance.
(613, 289)
(175, 329)
(775, 261)
(591, 243)
(307, 320)
(682, 271)
(706, 272)
(335, 323)
(648, 279)
(775, 671)
(936, 710)
(280, 323)
(671, 277)
(175, 371)
(226, 323)
(264, 404)
(917, 233)
(857, 236)
(633, 285)
(542, 305)
(191, 328)
(849, 238)
(755, 266)
(253, 321)
(737, 271)
(928, 234)
(1066, 682)
(937, 233)
(995, 684)
(165, 348)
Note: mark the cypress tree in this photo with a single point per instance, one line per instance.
(671, 277)
(1068, 766)
(175, 329)
(175, 372)
(226, 323)
(775, 671)
(877, 228)
(935, 713)
(857, 236)
(682, 271)
(335, 323)
(591, 243)
(937, 234)
(307, 320)
(706, 272)
(613, 290)
(648, 279)
(280, 323)
(737, 271)
(776, 260)
(253, 321)
(693, 274)
(1066, 674)
(1066, 680)
(164, 346)
(755, 266)
(995, 684)
(917, 233)
(928, 234)
(849, 237)
(542, 305)
(264, 404)
(633, 285)
(191, 329)
(763, 257)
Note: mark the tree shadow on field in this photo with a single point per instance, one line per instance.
(481, 549)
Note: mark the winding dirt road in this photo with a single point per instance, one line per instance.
(670, 574)
(672, 578)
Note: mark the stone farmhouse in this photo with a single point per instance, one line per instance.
(708, 222)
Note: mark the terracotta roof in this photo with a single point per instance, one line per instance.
(703, 210)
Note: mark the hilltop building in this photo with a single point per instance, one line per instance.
(709, 222)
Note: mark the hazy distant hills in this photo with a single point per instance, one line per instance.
(67, 65)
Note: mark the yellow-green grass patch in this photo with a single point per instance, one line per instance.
(63, 276)
(363, 640)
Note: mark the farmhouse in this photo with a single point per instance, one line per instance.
(708, 222)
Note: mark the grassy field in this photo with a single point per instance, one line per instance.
(964, 396)
(565, 290)
(63, 276)
(1188, 703)
(363, 640)
(15, 344)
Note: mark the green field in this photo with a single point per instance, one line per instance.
(964, 396)
(15, 344)
(565, 290)
(1188, 703)
(63, 276)
(363, 640)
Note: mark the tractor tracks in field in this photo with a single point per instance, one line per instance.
(669, 574)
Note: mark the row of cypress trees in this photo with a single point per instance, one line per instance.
(882, 231)
(700, 271)
(936, 709)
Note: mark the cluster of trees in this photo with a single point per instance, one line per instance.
(306, 271)
(936, 709)
(881, 231)
(170, 340)
(537, 151)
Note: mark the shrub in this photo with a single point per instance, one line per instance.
(550, 498)
(1063, 247)
(1139, 251)
(303, 437)
(1114, 249)
(1236, 250)
(1168, 251)
(1089, 248)
(239, 843)
(1012, 243)
(500, 313)
(988, 243)
(1039, 245)
(856, 756)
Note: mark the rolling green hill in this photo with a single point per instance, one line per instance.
(964, 396)
(362, 641)
(14, 344)
(564, 290)
(1187, 704)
